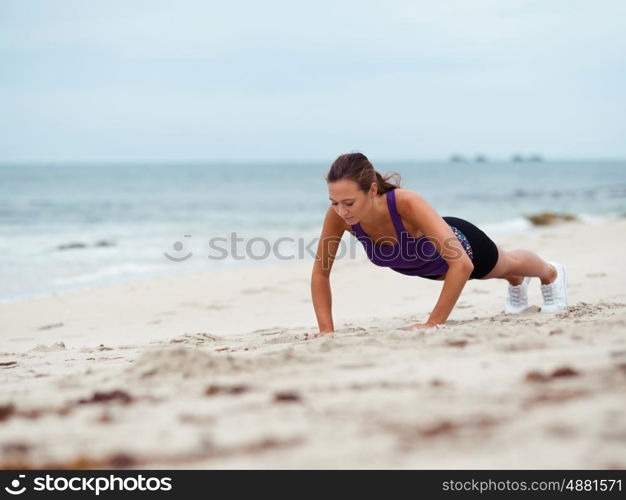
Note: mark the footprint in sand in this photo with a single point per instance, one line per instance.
(561, 430)
(58, 346)
(50, 327)
(579, 310)
(558, 397)
(199, 338)
(253, 291)
(595, 275)
(456, 342)
(199, 305)
(269, 331)
(507, 318)
(520, 346)
(618, 354)
(190, 304)
(20, 339)
(216, 307)
(536, 376)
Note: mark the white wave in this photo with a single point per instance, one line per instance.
(108, 272)
(508, 226)
(521, 224)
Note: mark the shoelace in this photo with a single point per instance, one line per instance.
(548, 294)
(515, 295)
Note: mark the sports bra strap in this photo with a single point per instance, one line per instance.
(395, 216)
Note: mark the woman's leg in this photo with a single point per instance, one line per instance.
(514, 265)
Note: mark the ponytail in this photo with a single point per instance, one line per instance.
(384, 183)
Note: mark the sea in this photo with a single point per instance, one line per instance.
(73, 226)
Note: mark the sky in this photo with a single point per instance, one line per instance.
(205, 80)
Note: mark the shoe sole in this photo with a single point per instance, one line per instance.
(547, 311)
(516, 311)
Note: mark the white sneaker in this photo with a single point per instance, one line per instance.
(517, 298)
(554, 294)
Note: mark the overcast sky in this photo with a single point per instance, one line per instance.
(287, 80)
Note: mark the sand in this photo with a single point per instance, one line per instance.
(214, 370)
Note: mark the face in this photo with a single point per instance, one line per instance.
(348, 201)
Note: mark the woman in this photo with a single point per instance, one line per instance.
(401, 230)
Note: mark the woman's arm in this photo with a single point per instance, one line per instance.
(416, 209)
(322, 302)
(453, 284)
(332, 231)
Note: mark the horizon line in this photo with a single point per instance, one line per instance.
(468, 160)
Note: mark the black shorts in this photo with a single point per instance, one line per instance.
(484, 249)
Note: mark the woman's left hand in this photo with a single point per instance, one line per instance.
(316, 335)
(420, 326)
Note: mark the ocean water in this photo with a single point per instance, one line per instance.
(65, 227)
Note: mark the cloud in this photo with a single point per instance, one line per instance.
(149, 80)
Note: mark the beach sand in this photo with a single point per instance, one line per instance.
(214, 370)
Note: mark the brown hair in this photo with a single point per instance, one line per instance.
(356, 167)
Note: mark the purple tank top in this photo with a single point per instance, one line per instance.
(411, 256)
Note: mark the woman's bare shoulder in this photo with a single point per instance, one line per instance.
(405, 198)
